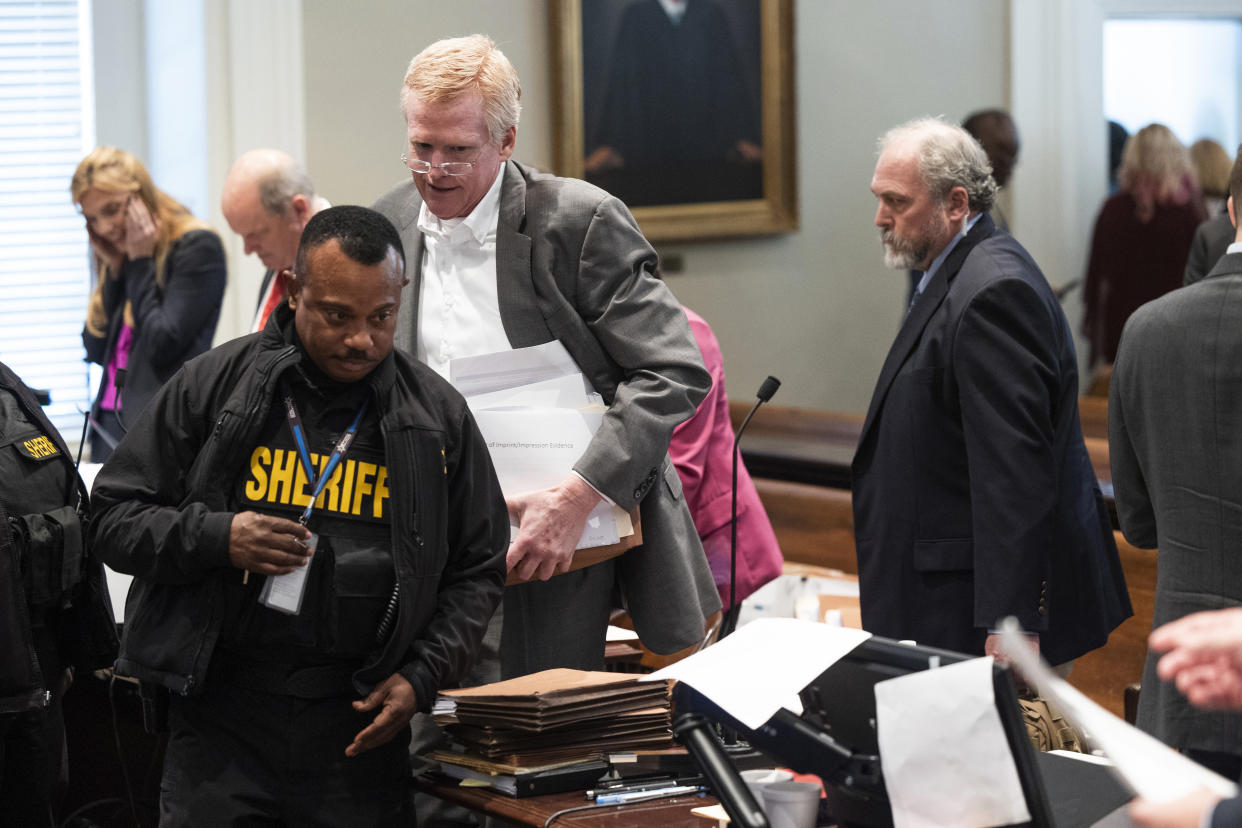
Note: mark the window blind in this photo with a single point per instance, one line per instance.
(45, 130)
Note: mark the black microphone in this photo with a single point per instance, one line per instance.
(765, 393)
(766, 390)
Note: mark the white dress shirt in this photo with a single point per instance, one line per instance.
(458, 308)
(458, 303)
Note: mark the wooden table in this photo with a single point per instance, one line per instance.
(535, 810)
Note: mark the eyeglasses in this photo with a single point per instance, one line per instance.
(421, 167)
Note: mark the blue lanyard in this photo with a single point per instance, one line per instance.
(334, 459)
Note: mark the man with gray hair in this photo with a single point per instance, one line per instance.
(268, 198)
(974, 498)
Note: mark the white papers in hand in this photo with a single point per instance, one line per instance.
(568, 391)
(761, 667)
(536, 448)
(946, 758)
(486, 373)
(1145, 765)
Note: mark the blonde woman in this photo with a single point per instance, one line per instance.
(161, 276)
(1212, 167)
(1142, 235)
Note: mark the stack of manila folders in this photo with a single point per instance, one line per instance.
(549, 732)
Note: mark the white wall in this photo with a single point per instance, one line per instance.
(356, 57)
(816, 308)
(120, 75)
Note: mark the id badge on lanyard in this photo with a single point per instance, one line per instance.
(284, 593)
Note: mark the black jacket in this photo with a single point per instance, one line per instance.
(161, 514)
(172, 323)
(44, 568)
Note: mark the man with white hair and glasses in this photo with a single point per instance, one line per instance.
(502, 256)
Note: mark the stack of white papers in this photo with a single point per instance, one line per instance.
(537, 414)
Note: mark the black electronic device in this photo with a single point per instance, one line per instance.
(835, 736)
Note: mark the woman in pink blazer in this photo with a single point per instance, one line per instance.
(701, 449)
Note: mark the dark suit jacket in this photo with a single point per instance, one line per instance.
(572, 265)
(974, 498)
(268, 276)
(173, 322)
(1174, 434)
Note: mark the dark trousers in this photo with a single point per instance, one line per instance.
(561, 622)
(32, 749)
(238, 756)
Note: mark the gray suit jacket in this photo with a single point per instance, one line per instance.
(1211, 239)
(572, 265)
(1175, 438)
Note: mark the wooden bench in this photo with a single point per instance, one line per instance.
(1093, 414)
(803, 445)
(814, 524)
(1105, 673)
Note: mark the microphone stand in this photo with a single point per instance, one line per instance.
(729, 622)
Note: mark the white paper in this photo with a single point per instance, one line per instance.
(945, 757)
(536, 448)
(620, 634)
(1145, 765)
(761, 667)
(510, 369)
(568, 391)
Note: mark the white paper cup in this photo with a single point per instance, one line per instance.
(791, 804)
(760, 778)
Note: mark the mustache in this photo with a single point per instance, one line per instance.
(355, 354)
(889, 237)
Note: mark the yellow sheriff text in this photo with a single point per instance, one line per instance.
(38, 447)
(356, 488)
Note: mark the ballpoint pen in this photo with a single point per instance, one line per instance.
(641, 796)
(613, 786)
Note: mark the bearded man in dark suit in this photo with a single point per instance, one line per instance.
(974, 498)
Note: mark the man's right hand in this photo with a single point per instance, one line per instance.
(267, 545)
(1203, 657)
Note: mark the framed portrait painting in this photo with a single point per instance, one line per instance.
(683, 109)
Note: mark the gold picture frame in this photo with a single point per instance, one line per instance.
(769, 206)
